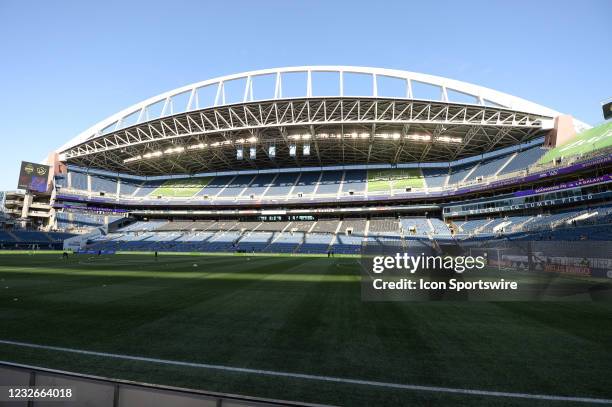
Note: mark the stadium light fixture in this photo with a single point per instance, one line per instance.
(418, 137)
(135, 158)
(153, 154)
(253, 139)
(448, 139)
(174, 150)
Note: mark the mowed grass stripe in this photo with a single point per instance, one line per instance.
(213, 312)
(149, 268)
(182, 291)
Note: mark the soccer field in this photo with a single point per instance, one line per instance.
(298, 315)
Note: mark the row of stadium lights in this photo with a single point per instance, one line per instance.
(292, 147)
(393, 136)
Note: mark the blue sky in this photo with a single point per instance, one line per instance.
(67, 64)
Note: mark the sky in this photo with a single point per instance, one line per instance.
(65, 65)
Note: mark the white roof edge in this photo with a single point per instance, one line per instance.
(479, 92)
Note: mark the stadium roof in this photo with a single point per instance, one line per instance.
(307, 116)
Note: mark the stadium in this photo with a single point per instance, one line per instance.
(221, 224)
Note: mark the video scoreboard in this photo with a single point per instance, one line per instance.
(34, 177)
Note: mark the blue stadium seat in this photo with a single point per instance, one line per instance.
(215, 186)
(356, 181)
(488, 168)
(282, 185)
(235, 187)
(103, 184)
(523, 159)
(459, 173)
(259, 185)
(78, 180)
(435, 177)
(128, 187)
(330, 183)
(307, 183)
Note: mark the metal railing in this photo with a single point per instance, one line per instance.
(96, 391)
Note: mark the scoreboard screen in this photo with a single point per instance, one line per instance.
(607, 110)
(34, 177)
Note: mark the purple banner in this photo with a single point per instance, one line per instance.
(565, 185)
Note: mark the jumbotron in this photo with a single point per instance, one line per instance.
(318, 160)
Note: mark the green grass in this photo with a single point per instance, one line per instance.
(301, 315)
(590, 140)
(396, 179)
(181, 188)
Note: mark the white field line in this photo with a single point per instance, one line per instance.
(435, 389)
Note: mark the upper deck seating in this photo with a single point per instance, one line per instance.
(61, 180)
(127, 187)
(282, 185)
(78, 180)
(100, 183)
(487, 168)
(355, 181)
(459, 173)
(215, 185)
(435, 177)
(236, 186)
(306, 183)
(259, 185)
(329, 183)
(523, 159)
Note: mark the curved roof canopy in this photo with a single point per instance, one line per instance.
(341, 101)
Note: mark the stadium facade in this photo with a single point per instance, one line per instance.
(318, 159)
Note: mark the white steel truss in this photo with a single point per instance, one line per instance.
(341, 131)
